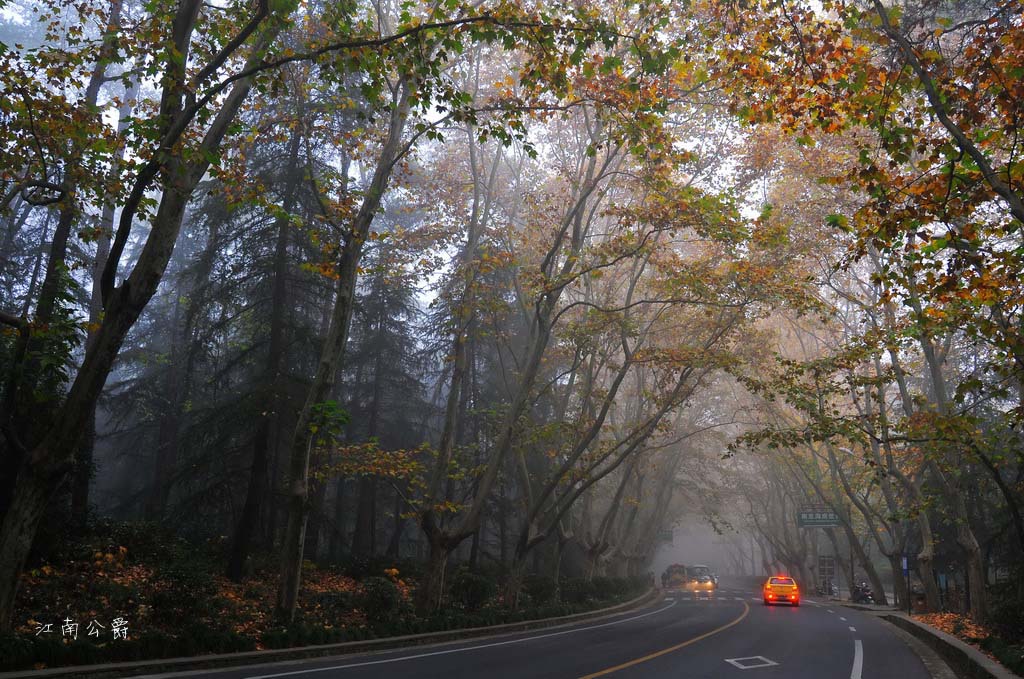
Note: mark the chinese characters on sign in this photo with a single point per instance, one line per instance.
(94, 628)
(808, 517)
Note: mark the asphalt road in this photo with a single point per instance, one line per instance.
(730, 634)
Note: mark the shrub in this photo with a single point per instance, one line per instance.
(540, 588)
(1011, 656)
(337, 604)
(188, 592)
(607, 588)
(146, 540)
(1007, 612)
(16, 653)
(380, 598)
(472, 590)
(304, 635)
(577, 590)
(362, 567)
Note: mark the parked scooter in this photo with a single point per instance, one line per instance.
(861, 594)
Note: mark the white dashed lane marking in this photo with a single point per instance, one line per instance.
(858, 660)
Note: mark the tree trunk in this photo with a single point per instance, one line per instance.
(29, 502)
(514, 583)
(269, 417)
(393, 550)
(84, 468)
(925, 557)
(362, 542)
(431, 594)
(167, 432)
(82, 473)
(315, 525)
(338, 533)
(878, 589)
(975, 572)
(364, 538)
(258, 482)
(329, 363)
(899, 582)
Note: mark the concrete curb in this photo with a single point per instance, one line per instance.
(869, 608)
(963, 658)
(228, 660)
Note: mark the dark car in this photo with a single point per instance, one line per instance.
(700, 578)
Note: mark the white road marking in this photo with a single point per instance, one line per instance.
(842, 618)
(737, 598)
(461, 650)
(852, 628)
(744, 664)
(831, 611)
(858, 660)
(668, 598)
(754, 598)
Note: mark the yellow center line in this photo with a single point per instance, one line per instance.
(670, 649)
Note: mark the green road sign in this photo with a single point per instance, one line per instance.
(810, 518)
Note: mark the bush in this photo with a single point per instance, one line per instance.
(635, 585)
(16, 653)
(304, 635)
(580, 591)
(540, 588)
(1007, 612)
(188, 592)
(472, 590)
(146, 540)
(577, 590)
(609, 588)
(380, 598)
(362, 567)
(336, 605)
(1010, 655)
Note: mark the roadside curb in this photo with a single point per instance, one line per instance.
(228, 660)
(869, 608)
(963, 658)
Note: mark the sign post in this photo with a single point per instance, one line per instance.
(818, 516)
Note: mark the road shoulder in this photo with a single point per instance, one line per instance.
(932, 661)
